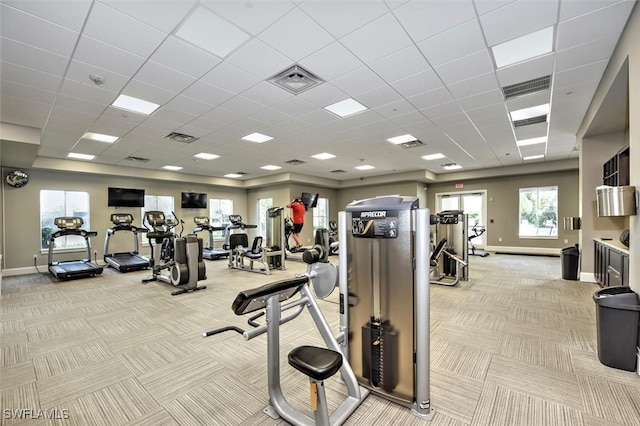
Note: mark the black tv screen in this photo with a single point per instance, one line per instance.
(125, 197)
(309, 200)
(194, 200)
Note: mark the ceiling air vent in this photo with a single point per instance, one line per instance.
(527, 87)
(180, 137)
(295, 79)
(411, 144)
(338, 171)
(137, 159)
(529, 121)
(295, 162)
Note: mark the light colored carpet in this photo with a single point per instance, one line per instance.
(514, 345)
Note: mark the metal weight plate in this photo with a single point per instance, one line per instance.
(325, 280)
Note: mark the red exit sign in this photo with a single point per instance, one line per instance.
(459, 185)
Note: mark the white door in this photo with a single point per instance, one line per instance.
(473, 204)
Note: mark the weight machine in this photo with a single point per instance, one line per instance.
(240, 251)
(449, 263)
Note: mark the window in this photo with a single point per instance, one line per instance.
(264, 204)
(321, 214)
(539, 212)
(219, 211)
(58, 204)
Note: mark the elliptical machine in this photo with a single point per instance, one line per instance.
(477, 230)
(181, 256)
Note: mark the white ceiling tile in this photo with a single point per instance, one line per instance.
(431, 98)
(32, 57)
(595, 51)
(527, 70)
(70, 103)
(342, 18)
(412, 63)
(485, 6)
(358, 81)
(102, 55)
(465, 68)
(274, 117)
(422, 82)
(424, 19)
(526, 101)
(452, 44)
(410, 118)
(331, 61)
(296, 35)
(517, 19)
(42, 34)
(531, 131)
(377, 39)
(232, 78)
(379, 96)
(395, 109)
(259, 59)
(208, 93)
(206, 124)
(323, 95)
(119, 30)
(188, 105)
(184, 57)
(588, 27)
(69, 14)
(87, 92)
(295, 107)
(28, 76)
(591, 72)
(473, 86)
(448, 120)
(164, 15)
(572, 9)
(111, 81)
(443, 109)
(267, 94)
(482, 99)
(158, 75)
(253, 17)
(242, 105)
(147, 92)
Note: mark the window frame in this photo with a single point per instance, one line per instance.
(169, 215)
(224, 221)
(52, 228)
(539, 212)
(317, 217)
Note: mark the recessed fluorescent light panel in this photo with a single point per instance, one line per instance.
(524, 113)
(100, 137)
(532, 141)
(365, 167)
(257, 137)
(433, 156)
(323, 156)
(346, 108)
(206, 156)
(210, 32)
(78, 156)
(533, 157)
(452, 166)
(401, 139)
(132, 104)
(172, 168)
(523, 48)
(233, 175)
(270, 167)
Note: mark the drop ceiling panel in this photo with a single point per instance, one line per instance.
(67, 14)
(528, 70)
(331, 61)
(32, 57)
(267, 94)
(164, 15)
(80, 72)
(158, 75)
(188, 105)
(296, 35)
(591, 72)
(465, 68)
(141, 90)
(42, 34)
(119, 30)
(86, 92)
(379, 96)
(28, 76)
(103, 55)
(589, 27)
(208, 93)
(173, 117)
(455, 43)
(526, 101)
(491, 97)
(252, 17)
(259, 59)
(437, 96)
(424, 81)
(184, 57)
(86, 146)
(322, 96)
(377, 39)
(20, 91)
(517, 19)
(358, 81)
(474, 86)
(575, 57)
(342, 18)
(424, 19)
(531, 131)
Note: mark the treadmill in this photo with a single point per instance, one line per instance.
(68, 269)
(129, 260)
(210, 252)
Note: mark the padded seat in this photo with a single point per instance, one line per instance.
(433, 262)
(314, 362)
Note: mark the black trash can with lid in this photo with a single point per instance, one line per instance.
(570, 262)
(618, 326)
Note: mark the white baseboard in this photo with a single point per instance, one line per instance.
(524, 250)
(587, 277)
(24, 271)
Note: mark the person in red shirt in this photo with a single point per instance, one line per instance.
(298, 209)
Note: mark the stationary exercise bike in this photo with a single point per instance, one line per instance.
(180, 256)
(477, 230)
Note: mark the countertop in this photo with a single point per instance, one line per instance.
(614, 243)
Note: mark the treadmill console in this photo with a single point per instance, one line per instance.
(69, 222)
(201, 220)
(122, 219)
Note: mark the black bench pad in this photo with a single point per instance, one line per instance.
(317, 363)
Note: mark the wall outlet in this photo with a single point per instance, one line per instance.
(566, 241)
(35, 257)
(499, 239)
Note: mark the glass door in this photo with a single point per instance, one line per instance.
(474, 205)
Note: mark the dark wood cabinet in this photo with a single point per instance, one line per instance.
(615, 172)
(611, 265)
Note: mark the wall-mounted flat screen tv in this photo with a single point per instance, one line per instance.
(194, 200)
(125, 197)
(309, 199)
